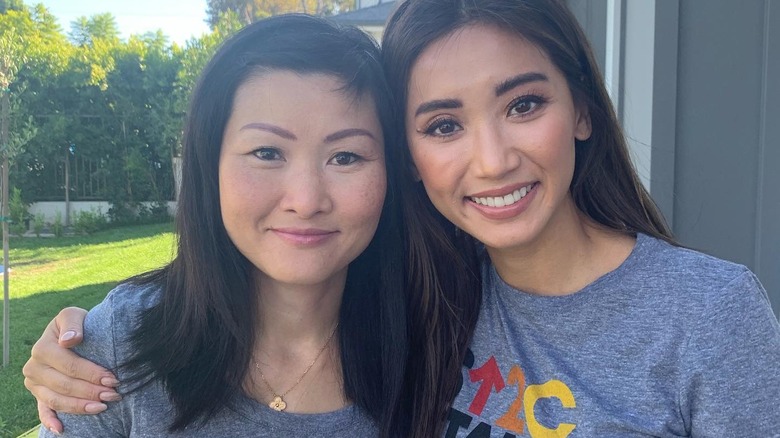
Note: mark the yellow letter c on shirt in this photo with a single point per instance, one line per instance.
(552, 388)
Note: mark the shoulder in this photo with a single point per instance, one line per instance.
(124, 304)
(680, 263)
(688, 273)
(109, 324)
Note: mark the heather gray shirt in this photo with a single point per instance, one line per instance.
(147, 412)
(673, 343)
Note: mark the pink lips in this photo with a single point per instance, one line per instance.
(508, 211)
(304, 236)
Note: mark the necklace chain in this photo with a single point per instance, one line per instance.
(278, 403)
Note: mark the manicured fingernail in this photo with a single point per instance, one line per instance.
(68, 335)
(110, 396)
(109, 381)
(94, 408)
(54, 431)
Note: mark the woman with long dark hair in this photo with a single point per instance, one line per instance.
(594, 321)
(283, 312)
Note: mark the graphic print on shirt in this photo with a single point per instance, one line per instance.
(519, 417)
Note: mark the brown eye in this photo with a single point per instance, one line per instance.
(442, 128)
(525, 105)
(268, 154)
(344, 158)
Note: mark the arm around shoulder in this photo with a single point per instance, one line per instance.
(99, 346)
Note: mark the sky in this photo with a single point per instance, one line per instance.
(178, 19)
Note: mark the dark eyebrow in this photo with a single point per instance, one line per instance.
(281, 132)
(518, 80)
(437, 105)
(344, 133)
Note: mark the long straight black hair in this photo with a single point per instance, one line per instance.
(198, 339)
(605, 186)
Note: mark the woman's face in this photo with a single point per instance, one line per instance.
(301, 176)
(491, 127)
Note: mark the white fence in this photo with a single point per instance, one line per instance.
(49, 209)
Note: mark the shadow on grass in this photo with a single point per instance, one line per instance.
(28, 318)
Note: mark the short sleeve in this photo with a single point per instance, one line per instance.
(732, 364)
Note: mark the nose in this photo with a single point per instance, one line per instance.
(494, 154)
(306, 193)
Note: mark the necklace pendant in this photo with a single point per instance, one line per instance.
(277, 404)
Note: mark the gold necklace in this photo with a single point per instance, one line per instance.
(278, 404)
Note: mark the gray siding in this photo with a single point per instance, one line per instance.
(699, 98)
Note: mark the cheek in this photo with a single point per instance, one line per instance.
(366, 198)
(440, 172)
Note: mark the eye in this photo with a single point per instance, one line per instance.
(345, 158)
(268, 154)
(526, 105)
(442, 127)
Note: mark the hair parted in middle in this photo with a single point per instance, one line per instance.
(202, 330)
(605, 186)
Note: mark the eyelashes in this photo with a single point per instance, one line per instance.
(526, 105)
(272, 154)
(520, 107)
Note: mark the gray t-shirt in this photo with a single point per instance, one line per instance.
(672, 343)
(147, 412)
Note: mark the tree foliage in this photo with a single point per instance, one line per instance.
(111, 110)
(104, 111)
(249, 11)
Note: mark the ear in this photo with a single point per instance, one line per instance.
(583, 129)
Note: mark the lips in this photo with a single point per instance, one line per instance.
(503, 200)
(304, 236)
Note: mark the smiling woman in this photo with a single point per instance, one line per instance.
(594, 322)
(284, 312)
(301, 197)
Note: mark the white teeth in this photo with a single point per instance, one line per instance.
(503, 201)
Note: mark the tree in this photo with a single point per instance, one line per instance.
(252, 10)
(85, 31)
(11, 5)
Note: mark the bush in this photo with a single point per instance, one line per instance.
(156, 213)
(38, 225)
(57, 225)
(87, 222)
(18, 212)
(135, 213)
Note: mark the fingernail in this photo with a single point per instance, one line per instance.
(54, 431)
(109, 381)
(110, 396)
(94, 408)
(68, 335)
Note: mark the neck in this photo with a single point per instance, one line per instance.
(297, 314)
(295, 356)
(569, 254)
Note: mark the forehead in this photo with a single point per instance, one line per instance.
(480, 49)
(289, 95)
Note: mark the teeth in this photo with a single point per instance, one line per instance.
(503, 201)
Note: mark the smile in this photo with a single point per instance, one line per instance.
(503, 201)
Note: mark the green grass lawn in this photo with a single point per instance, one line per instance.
(51, 273)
